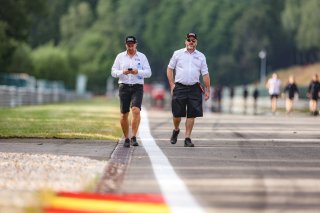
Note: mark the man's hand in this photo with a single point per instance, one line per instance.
(207, 95)
(172, 85)
(134, 72)
(130, 71)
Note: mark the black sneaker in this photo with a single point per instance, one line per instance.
(188, 143)
(134, 141)
(126, 143)
(174, 136)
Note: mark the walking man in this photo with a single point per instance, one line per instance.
(131, 67)
(186, 90)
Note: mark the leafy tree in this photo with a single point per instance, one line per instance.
(15, 20)
(46, 26)
(4, 45)
(21, 61)
(161, 35)
(301, 20)
(308, 36)
(78, 19)
(91, 56)
(86, 35)
(52, 63)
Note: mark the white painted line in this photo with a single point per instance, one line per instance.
(173, 188)
(293, 140)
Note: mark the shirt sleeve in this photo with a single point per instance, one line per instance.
(173, 61)
(116, 71)
(204, 66)
(145, 69)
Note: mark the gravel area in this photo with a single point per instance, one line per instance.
(22, 174)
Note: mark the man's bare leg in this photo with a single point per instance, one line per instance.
(125, 124)
(135, 120)
(189, 127)
(176, 123)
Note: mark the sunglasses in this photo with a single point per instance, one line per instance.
(191, 40)
(130, 44)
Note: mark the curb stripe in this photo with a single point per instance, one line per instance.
(106, 205)
(143, 198)
(61, 210)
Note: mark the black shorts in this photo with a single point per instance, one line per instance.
(187, 101)
(290, 97)
(130, 95)
(314, 97)
(274, 96)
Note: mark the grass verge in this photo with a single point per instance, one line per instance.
(97, 118)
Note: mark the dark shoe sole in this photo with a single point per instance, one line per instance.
(173, 142)
(126, 143)
(134, 141)
(135, 144)
(189, 145)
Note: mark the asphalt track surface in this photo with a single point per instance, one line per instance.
(240, 163)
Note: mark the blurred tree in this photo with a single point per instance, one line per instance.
(91, 56)
(105, 29)
(78, 19)
(46, 27)
(21, 61)
(250, 36)
(301, 20)
(15, 20)
(4, 46)
(86, 35)
(52, 63)
(161, 35)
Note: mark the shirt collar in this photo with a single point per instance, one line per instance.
(194, 52)
(126, 53)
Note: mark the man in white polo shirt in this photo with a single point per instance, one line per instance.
(189, 64)
(131, 67)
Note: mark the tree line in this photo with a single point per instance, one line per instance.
(57, 40)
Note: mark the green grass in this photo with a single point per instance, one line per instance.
(91, 119)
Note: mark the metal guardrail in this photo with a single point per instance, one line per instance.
(12, 96)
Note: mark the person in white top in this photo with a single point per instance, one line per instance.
(274, 88)
(131, 67)
(189, 64)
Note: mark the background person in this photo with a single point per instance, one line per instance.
(245, 94)
(274, 86)
(231, 97)
(290, 91)
(131, 67)
(255, 96)
(313, 94)
(186, 89)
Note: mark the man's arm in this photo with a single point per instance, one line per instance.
(115, 70)
(144, 69)
(170, 79)
(206, 81)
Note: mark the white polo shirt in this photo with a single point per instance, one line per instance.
(274, 86)
(123, 61)
(188, 66)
